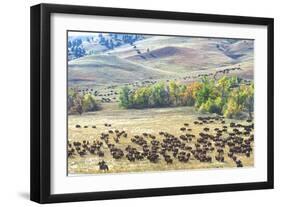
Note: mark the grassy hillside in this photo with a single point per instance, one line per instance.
(187, 54)
(162, 57)
(107, 69)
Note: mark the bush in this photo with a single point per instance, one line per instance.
(89, 103)
(78, 103)
(210, 106)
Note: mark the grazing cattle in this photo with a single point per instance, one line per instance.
(183, 129)
(103, 166)
(206, 144)
(153, 157)
(77, 144)
(239, 163)
(183, 157)
(206, 129)
(232, 124)
(82, 152)
(161, 133)
(168, 160)
(219, 158)
(100, 153)
(70, 152)
(152, 136)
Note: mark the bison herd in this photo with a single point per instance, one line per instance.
(217, 140)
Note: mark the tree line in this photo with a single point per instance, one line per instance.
(228, 96)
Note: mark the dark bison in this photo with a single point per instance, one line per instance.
(103, 166)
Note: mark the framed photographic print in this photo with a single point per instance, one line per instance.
(133, 103)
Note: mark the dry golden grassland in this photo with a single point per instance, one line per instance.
(136, 122)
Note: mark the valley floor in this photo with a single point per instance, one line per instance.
(136, 122)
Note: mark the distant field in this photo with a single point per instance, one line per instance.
(136, 122)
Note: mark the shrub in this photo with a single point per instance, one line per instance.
(89, 103)
(78, 103)
(210, 106)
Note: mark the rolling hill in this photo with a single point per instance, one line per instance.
(107, 69)
(161, 57)
(187, 54)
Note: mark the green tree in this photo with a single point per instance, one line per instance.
(205, 93)
(188, 96)
(160, 96)
(89, 103)
(232, 108)
(174, 92)
(141, 97)
(124, 97)
(79, 103)
(249, 100)
(235, 102)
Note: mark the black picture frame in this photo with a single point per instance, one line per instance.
(41, 98)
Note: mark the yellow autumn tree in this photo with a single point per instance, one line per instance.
(189, 95)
